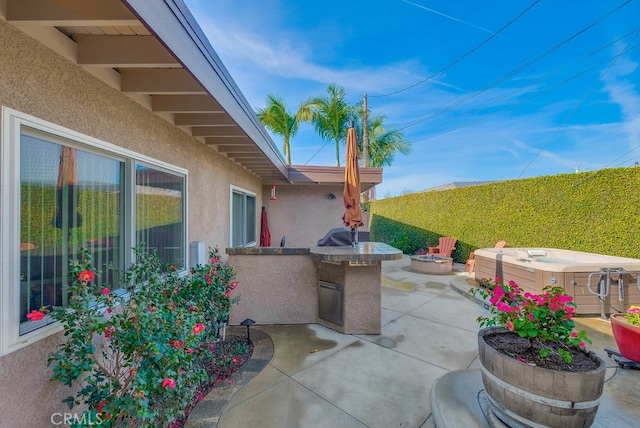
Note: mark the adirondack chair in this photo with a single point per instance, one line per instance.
(446, 244)
(471, 262)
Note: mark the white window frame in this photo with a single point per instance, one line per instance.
(12, 122)
(244, 192)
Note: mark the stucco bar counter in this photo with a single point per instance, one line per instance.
(338, 287)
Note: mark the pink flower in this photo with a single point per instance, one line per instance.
(193, 308)
(198, 328)
(105, 290)
(582, 345)
(189, 351)
(215, 259)
(35, 315)
(574, 334)
(168, 383)
(109, 310)
(498, 292)
(531, 317)
(509, 325)
(502, 307)
(86, 276)
(108, 332)
(234, 284)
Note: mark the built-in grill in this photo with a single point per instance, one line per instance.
(340, 236)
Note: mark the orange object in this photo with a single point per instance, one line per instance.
(352, 217)
(446, 244)
(471, 262)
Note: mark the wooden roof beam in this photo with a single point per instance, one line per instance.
(202, 119)
(233, 141)
(159, 81)
(217, 131)
(185, 104)
(70, 12)
(123, 51)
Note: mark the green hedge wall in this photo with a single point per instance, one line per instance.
(595, 212)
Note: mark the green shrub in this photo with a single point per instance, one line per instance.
(592, 211)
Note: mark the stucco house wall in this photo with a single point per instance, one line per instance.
(304, 213)
(37, 81)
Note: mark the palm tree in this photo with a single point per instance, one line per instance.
(278, 120)
(328, 115)
(383, 144)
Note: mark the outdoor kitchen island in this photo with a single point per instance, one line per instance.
(338, 287)
(349, 294)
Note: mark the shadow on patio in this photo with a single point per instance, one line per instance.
(311, 376)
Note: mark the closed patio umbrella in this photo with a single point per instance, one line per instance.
(265, 235)
(67, 198)
(67, 216)
(352, 217)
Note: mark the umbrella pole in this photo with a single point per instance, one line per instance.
(354, 235)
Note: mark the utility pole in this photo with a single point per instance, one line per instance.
(365, 142)
(365, 136)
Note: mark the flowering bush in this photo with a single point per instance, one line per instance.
(545, 318)
(210, 287)
(632, 315)
(138, 352)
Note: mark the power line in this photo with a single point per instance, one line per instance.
(537, 94)
(463, 56)
(517, 69)
(574, 109)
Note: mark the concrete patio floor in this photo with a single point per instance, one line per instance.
(311, 376)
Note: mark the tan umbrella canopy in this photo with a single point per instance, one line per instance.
(352, 217)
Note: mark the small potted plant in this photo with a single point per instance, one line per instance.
(626, 331)
(535, 369)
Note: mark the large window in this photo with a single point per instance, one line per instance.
(69, 198)
(63, 191)
(160, 213)
(243, 218)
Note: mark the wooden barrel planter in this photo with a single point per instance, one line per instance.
(524, 395)
(627, 337)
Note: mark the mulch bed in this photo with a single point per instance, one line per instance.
(217, 374)
(517, 347)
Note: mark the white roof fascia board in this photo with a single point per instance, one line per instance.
(177, 29)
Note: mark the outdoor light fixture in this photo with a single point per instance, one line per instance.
(273, 187)
(222, 328)
(248, 322)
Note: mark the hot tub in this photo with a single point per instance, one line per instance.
(535, 268)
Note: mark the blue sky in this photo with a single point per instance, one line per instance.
(491, 90)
